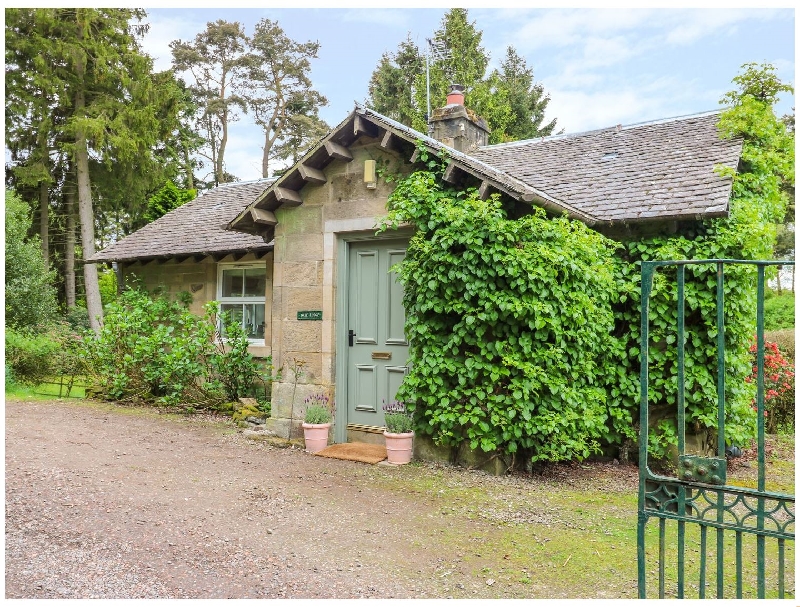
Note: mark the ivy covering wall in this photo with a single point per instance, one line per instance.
(525, 332)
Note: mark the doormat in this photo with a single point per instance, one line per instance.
(356, 452)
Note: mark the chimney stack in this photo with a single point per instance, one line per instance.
(456, 126)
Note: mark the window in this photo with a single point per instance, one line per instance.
(241, 291)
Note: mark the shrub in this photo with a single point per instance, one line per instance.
(107, 281)
(11, 383)
(785, 340)
(778, 388)
(778, 310)
(30, 356)
(232, 368)
(36, 357)
(153, 349)
(30, 297)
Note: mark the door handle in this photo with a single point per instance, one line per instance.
(350, 335)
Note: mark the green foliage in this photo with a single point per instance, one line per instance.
(700, 333)
(509, 321)
(36, 356)
(155, 350)
(10, 380)
(30, 297)
(232, 367)
(167, 199)
(779, 388)
(316, 414)
(397, 418)
(778, 310)
(29, 355)
(508, 99)
(318, 409)
(107, 280)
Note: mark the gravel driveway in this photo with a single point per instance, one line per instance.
(105, 501)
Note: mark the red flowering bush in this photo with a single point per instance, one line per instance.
(778, 387)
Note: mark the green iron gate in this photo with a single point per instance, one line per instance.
(703, 522)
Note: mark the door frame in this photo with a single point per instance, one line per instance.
(340, 355)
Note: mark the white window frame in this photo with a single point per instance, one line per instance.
(255, 299)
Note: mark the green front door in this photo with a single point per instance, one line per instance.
(377, 349)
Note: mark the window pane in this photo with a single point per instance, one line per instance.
(254, 321)
(235, 312)
(255, 282)
(232, 283)
(249, 316)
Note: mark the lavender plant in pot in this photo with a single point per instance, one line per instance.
(399, 433)
(317, 422)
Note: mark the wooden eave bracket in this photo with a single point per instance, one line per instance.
(337, 151)
(450, 175)
(263, 217)
(311, 174)
(364, 127)
(483, 191)
(287, 197)
(387, 142)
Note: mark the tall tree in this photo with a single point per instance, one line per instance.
(30, 114)
(527, 99)
(215, 61)
(765, 173)
(392, 87)
(304, 129)
(508, 99)
(278, 86)
(96, 76)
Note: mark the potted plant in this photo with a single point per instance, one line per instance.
(399, 432)
(317, 422)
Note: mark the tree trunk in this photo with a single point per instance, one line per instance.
(187, 163)
(69, 246)
(85, 211)
(219, 166)
(265, 157)
(86, 215)
(44, 222)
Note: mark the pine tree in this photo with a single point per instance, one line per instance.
(278, 89)
(88, 66)
(215, 60)
(508, 99)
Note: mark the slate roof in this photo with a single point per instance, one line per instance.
(471, 162)
(662, 169)
(195, 228)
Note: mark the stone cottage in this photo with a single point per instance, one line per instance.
(299, 257)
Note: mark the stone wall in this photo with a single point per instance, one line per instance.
(305, 264)
(196, 278)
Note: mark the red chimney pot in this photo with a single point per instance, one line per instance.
(455, 94)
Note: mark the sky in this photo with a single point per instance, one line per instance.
(601, 67)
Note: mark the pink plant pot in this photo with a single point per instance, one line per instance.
(316, 436)
(399, 447)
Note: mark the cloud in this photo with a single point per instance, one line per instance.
(694, 25)
(163, 30)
